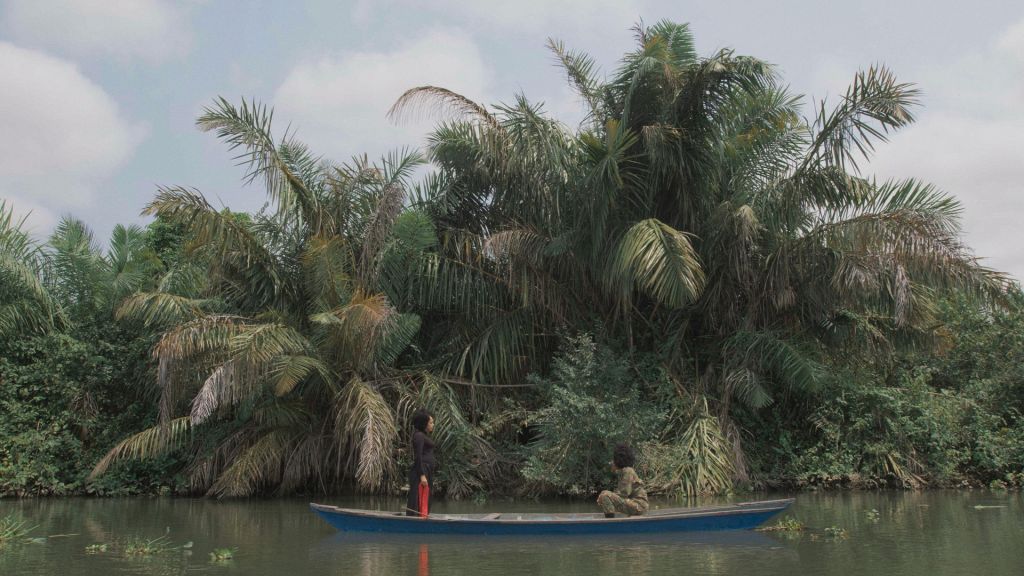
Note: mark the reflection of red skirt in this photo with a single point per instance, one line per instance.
(424, 500)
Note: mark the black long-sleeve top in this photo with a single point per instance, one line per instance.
(423, 454)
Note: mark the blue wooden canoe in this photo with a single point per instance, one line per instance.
(743, 516)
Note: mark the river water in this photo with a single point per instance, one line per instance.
(886, 533)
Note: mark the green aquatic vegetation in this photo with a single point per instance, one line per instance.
(140, 547)
(872, 515)
(222, 554)
(785, 525)
(100, 548)
(13, 529)
(836, 533)
(135, 546)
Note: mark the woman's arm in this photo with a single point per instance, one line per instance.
(418, 439)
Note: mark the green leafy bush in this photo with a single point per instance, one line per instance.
(592, 399)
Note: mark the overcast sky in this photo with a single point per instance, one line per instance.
(99, 97)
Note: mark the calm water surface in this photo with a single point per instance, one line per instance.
(920, 534)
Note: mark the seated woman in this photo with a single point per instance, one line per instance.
(629, 497)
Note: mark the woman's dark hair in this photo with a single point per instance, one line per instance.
(623, 456)
(420, 419)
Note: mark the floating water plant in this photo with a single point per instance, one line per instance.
(150, 547)
(13, 529)
(97, 548)
(836, 532)
(222, 554)
(785, 525)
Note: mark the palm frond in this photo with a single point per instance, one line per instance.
(287, 169)
(874, 104)
(231, 241)
(438, 100)
(745, 385)
(287, 372)
(259, 464)
(389, 206)
(365, 423)
(329, 265)
(660, 261)
(579, 68)
(160, 308)
(159, 439)
(770, 353)
(356, 329)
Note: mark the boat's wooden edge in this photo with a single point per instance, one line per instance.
(663, 514)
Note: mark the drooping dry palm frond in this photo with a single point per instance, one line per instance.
(259, 464)
(707, 465)
(378, 229)
(206, 334)
(365, 425)
(439, 101)
(160, 308)
(258, 345)
(217, 389)
(262, 357)
(355, 330)
(159, 439)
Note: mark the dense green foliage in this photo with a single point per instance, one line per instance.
(605, 402)
(942, 417)
(73, 380)
(734, 297)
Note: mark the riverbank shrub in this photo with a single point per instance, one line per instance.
(591, 400)
(63, 403)
(939, 417)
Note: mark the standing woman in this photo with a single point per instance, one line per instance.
(421, 474)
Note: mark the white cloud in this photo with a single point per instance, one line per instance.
(969, 142)
(39, 220)
(63, 135)
(566, 17)
(1011, 42)
(338, 104)
(153, 30)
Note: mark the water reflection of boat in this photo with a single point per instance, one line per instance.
(742, 516)
(420, 554)
(717, 539)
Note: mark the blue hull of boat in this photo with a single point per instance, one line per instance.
(742, 517)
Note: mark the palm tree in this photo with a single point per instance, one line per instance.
(695, 213)
(281, 369)
(68, 281)
(28, 306)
